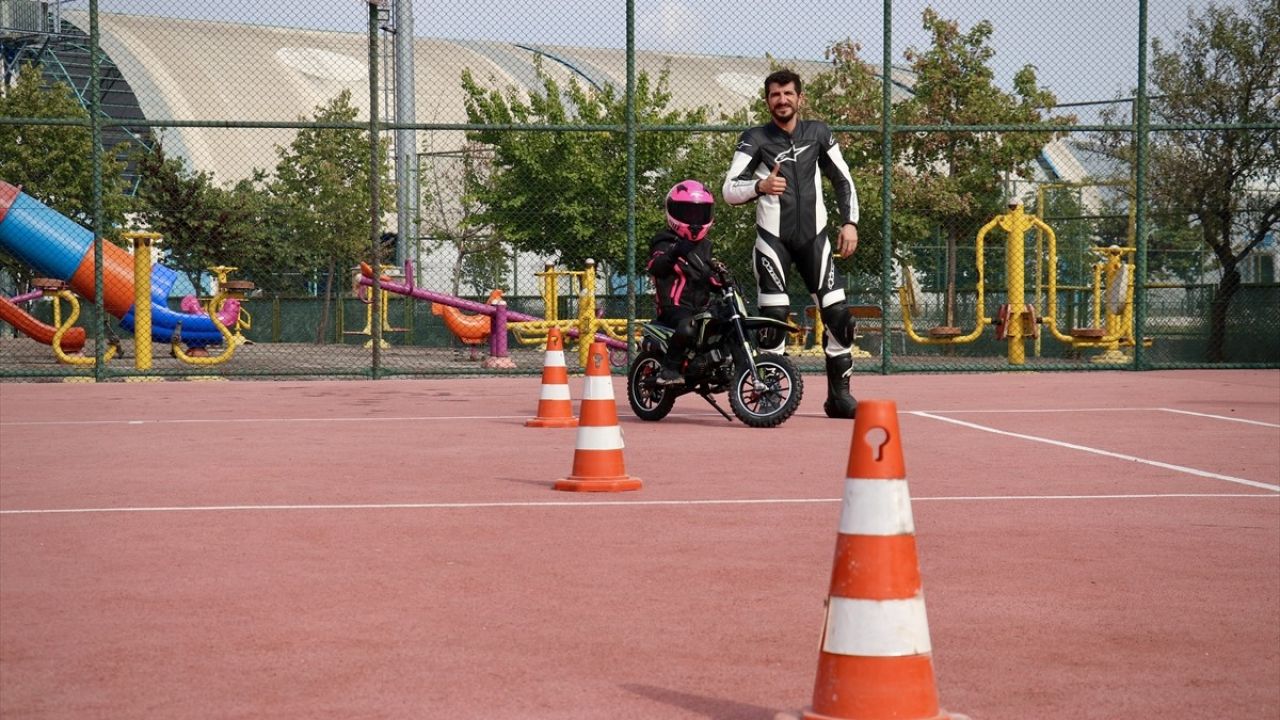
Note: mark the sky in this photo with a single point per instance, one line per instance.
(1083, 50)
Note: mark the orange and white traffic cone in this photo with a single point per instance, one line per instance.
(597, 461)
(876, 659)
(555, 407)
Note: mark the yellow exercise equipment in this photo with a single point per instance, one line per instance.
(238, 289)
(1016, 320)
(534, 332)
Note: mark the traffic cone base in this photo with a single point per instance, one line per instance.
(619, 484)
(551, 422)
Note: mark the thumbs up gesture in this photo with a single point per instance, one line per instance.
(774, 184)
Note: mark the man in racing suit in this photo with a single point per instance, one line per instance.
(778, 164)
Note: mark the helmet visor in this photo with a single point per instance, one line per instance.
(691, 213)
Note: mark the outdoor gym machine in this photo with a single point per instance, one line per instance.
(1112, 305)
(227, 289)
(585, 326)
(1015, 321)
(365, 295)
(244, 320)
(58, 291)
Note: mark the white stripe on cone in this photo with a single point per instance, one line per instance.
(876, 628)
(554, 358)
(876, 507)
(599, 438)
(597, 387)
(555, 392)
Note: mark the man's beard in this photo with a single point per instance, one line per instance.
(778, 115)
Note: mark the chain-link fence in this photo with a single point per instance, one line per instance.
(192, 189)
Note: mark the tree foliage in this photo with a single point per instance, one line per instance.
(323, 177)
(205, 225)
(322, 184)
(1224, 69)
(966, 173)
(561, 194)
(51, 162)
(1221, 185)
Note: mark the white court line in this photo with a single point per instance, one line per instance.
(195, 421)
(433, 418)
(199, 420)
(598, 503)
(1106, 453)
(995, 411)
(1220, 417)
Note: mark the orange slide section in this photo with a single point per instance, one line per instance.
(72, 340)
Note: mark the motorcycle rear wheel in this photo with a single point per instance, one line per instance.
(648, 400)
(778, 400)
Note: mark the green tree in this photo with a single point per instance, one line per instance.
(205, 224)
(850, 94)
(966, 171)
(561, 194)
(1225, 68)
(451, 182)
(51, 162)
(322, 180)
(202, 224)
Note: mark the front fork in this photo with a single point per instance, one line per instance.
(745, 349)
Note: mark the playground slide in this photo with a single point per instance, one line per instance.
(58, 247)
(72, 339)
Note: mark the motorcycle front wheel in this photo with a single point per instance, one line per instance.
(771, 401)
(648, 400)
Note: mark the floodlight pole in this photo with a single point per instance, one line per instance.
(406, 138)
(375, 235)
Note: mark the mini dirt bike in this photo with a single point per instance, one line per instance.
(764, 389)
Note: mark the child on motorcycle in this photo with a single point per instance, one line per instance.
(680, 263)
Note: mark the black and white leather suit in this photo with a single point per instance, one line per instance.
(792, 227)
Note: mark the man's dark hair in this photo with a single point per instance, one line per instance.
(782, 77)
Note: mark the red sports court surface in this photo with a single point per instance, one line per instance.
(1101, 545)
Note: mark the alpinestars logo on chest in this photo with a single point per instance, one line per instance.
(790, 154)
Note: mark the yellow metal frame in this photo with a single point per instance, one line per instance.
(142, 244)
(62, 293)
(907, 301)
(1117, 327)
(1019, 326)
(361, 291)
(1114, 334)
(534, 332)
(244, 320)
(226, 289)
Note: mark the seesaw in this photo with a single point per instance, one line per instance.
(497, 314)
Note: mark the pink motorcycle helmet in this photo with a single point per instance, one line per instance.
(690, 210)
